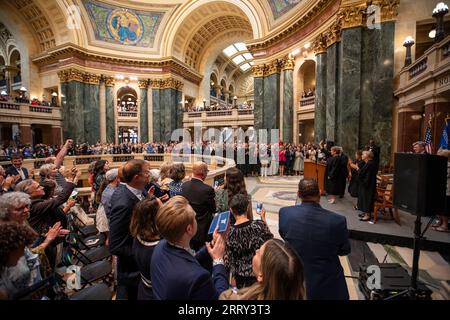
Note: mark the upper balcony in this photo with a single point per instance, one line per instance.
(427, 76)
(233, 117)
(17, 112)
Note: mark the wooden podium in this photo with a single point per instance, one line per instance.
(312, 170)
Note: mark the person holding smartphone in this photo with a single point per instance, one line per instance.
(246, 236)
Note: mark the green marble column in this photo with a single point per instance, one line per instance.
(156, 115)
(110, 114)
(179, 109)
(320, 116)
(349, 94)
(332, 97)
(288, 106)
(258, 110)
(75, 116)
(271, 116)
(377, 88)
(91, 113)
(143, 112)
(66, 128)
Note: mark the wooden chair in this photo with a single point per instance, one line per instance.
(383, 201)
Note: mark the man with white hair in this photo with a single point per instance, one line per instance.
(112, 176)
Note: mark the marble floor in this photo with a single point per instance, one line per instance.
(276, 192)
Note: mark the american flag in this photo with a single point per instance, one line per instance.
(428, 143)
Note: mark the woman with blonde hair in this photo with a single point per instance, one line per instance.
(279, 275)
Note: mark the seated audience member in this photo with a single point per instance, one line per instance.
(177, 174)
(245, 237)
(176, 271)
(146, 237)
(201, 199)
(319, 237)
(19, 267)
(279, 275)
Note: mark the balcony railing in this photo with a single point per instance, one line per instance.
(40, 109)
(308, 101)
(418, 68)
(28, 110)
(128, 114)
(236, 116)
(245, 112)
(219, 113)
(194, 114)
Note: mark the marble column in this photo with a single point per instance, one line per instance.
(156, 114)
(102, 102)
(271, 96)
(259, 102)
(377, 87)
(179, 109)
(110, 111)
(67, 132)
(75, 116)
(91, 112)
(143, 112)
(332, 90)
(150, 113)
(320, 115)
(349, 95)
(288, 105)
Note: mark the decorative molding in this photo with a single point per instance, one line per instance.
(91, 78)
(389, 9)
(143, 84)
(62, 54)
(287, 63)
(294, 27)
(333, 34)
(109, 81)
(71, 75)
(351, 17)
(258, 70)
(167, 83)
(319, 44)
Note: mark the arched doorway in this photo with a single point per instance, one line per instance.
(127, 111)
(306, 85)
(127, 101)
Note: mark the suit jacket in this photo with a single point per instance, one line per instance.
(120, 239)
(319, 236)
(201, 198)
(12, 171)
(177, 275)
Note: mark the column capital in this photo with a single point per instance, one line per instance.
(273, 67)
(319, 44)
(354, 16)
(108, 81)
(143, 84)
(333, 34)
(258, 70)
(287, 63)
(91, 78)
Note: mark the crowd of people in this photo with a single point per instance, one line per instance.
(157, 227)
(219, 107)
(24, 99)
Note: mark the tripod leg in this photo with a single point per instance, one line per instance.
(416, 252)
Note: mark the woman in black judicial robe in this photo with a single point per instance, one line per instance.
(332, 174)
(354, 182)
(367, 185)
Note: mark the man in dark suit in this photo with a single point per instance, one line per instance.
(176, 271)
(319, 236)
(16, 168)
(201, 198)
(136, 175)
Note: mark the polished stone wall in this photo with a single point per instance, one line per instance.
(288, 106)
(167, 113)
(354, 90)
(156, 115)
(143, 112)
(271, 114)
(320, 115)
(110, 115)
(91, 113)
(349, 96)
(377, 87)
(81, 111)
(332, 90)
(258, 102)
